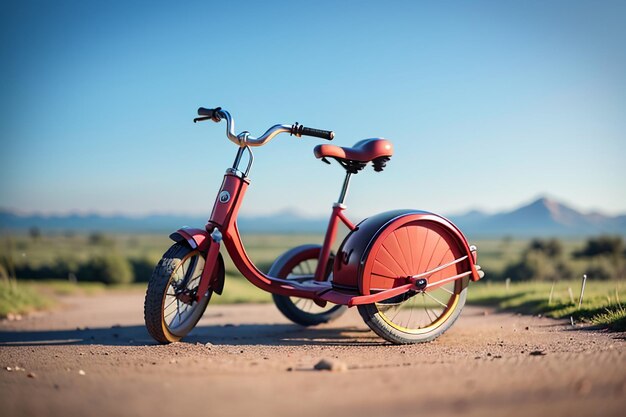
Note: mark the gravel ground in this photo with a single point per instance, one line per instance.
(94, 357)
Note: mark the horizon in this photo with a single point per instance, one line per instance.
(486, 103)
(296, 212)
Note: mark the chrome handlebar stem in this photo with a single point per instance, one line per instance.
(244, 139)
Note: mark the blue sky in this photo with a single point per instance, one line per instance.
(488, 103)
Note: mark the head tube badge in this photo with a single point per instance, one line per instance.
(224, 197)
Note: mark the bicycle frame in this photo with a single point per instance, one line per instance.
(224, 220)
(222, 226)
(387, 261)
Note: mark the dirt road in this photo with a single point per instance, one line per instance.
(94, 357)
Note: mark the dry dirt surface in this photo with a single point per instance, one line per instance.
(94, 357)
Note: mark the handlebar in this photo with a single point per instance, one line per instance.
(245, 139)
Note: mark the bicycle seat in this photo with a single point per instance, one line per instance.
(365, 150)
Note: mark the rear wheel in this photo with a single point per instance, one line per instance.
(416, 316)
(171, 308)
(299, 264)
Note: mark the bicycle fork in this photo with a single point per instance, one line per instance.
(210, 264)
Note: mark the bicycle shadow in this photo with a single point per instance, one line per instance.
(234, 335)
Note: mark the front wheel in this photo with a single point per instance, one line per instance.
(299, 265)
(171, 308)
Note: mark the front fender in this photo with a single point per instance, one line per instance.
(195, 238)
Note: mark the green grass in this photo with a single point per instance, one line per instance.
(61, 288)
(600, 306)
(238, 291)
(495, 254)
(26, 296)
(19, 298)
(602, 302)
(263, 249)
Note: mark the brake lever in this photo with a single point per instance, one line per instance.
(201, 119)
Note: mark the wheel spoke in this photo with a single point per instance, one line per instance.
(182, 267)
(171, 302)
(304, 310)
(397, 312)
(426, 308)
(189, 284)
(177, 310)
(436, 300)
(408, 323)
(446, 290)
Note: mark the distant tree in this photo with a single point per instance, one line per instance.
(541, 260)
(602, 246)
(519, 271)
(64, 266)
(600, 271)
(606, 255)
(537, 265)
(34, 233)
(552, 248)
(109, 268)
(99, 239)
(142, 269)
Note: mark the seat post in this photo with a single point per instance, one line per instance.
(344, 189)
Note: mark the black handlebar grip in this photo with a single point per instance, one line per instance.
(208, 112)
(318, 133)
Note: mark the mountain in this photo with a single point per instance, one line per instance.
(541, 218)
(283, 222)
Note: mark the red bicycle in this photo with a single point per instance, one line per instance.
(407, 271)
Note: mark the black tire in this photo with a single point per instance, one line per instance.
(165, 280)
(374, 317)
(300, 263)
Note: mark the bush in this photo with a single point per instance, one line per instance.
(64, 266)
(552, 248)
(612, 246)
(600, 271)
(109, 269)
(100, 239)
(518, 271)
(142, 269)
(540, 261)
(606, 255)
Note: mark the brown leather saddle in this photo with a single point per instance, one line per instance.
(353, 159)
